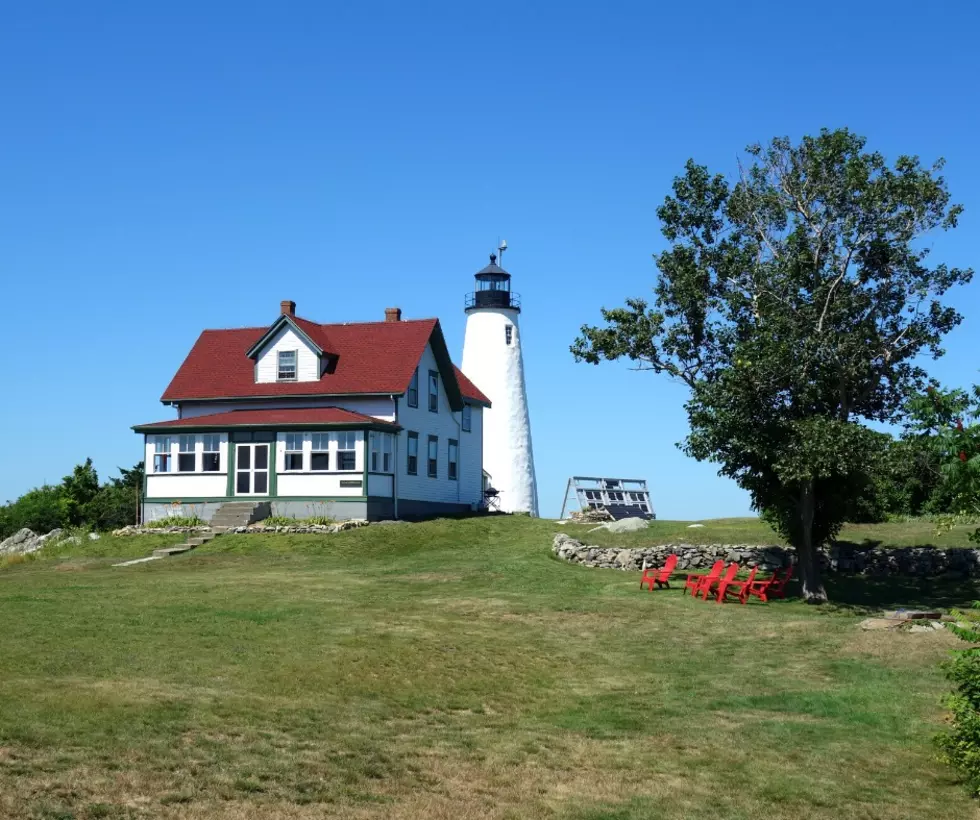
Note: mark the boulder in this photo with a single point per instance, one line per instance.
(627, 525)
(22, 542)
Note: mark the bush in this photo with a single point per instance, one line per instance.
(960, 746)
(41, 510)
(285, 521)
(175, 521)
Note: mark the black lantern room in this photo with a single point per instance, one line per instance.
(493, 289)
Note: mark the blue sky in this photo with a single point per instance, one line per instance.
(174, 166)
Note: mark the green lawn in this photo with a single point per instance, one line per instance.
(452, 669)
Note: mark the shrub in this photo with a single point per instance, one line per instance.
(960, 745)
(285, 521)
(175, 521)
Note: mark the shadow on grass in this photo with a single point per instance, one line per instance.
(867, 594)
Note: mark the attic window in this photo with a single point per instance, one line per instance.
(286, 371)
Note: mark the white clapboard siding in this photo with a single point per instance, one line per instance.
(187, 485)
(445, 424)
(307, 361)
(318, 485)
(471, 459)
(380, 407)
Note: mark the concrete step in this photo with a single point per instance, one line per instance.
(180, 548)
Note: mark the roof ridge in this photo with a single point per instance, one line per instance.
(323, 324)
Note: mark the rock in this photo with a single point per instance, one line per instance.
(920, 628)
(695, 526)
(937, 625)
(22, 542)
(871, 624)
(627, 525)
(52, 536)
(94, 536)
(353, 524)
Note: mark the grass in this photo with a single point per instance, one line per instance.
(754, 531)
(452, 669)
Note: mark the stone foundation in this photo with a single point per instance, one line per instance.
(871, 561)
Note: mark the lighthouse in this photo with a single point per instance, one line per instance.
(492, 358)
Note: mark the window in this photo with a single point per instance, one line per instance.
(509, 334)
(413, 453)
(185, 455)
(346, 446)
(161, 454)
(413, 390)
(286, 371)
(294, 451)
(320, 457)
(381, 452)
(211, 459)
(433, 456)
(453, 458)
(467, 417)
(433, 391)
(386, 449)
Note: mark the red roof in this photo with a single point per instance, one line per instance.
(367, 358)
(303, 417)
(468, 389)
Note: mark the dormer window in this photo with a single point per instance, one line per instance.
(286, 371)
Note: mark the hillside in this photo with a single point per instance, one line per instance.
(452, 669)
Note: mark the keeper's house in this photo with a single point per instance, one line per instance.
(365, 420)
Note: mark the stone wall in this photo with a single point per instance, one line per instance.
(873, 561)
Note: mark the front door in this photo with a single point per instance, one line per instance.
(251, 469)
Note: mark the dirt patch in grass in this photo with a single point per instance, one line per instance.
(899, 648)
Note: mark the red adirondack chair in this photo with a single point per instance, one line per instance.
(708, 587)
(660, 577)
(775, 586)
(737, 588)
(694, 579)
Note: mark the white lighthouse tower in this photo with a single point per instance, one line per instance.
(492, 358)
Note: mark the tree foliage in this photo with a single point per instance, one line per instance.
(79, 501)
(795, 304)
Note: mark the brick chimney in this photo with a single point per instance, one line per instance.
(288, 308)
(393, 314)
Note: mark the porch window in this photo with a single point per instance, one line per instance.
(433, 391)
(320, 457)
(211, 457)
(433, 456)
(375, 441)
(287, 366)
(413, 453)
(346, 450)
(413, 390)
(453, 459)
(161, 454)
(467, 418)
(294, 452)
(185, 456)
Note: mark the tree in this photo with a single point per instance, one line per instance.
(79, 489)
(794, 304)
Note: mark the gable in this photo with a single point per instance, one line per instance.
(287, 339)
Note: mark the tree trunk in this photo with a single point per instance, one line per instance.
(809, 566)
